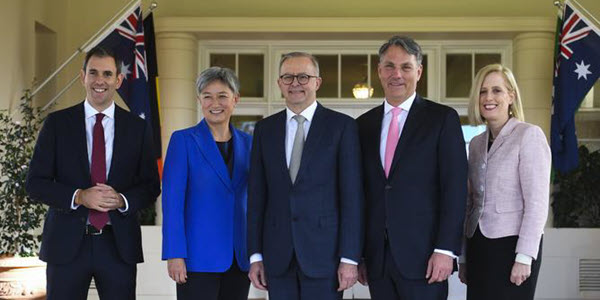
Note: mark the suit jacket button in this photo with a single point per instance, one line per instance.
(82, 219)
(295, 219)
(388, 187)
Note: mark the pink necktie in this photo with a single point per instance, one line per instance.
(392, 140)
(98, 169)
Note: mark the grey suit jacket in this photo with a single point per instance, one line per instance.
(510, 185)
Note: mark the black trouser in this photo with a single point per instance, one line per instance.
(232, 284)
(393, 286)
(98, 258)
(489, 264)
(295, 285)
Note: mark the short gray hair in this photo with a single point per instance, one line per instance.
(409, 45)
(224, 75)
(287, 56)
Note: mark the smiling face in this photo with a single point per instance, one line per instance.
(217, 101)
(495, 99)
(399, 73)
(100, 80)
(299, 96)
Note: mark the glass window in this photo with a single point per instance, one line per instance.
(482, 60)
(249, 69)
(223, 60)
(458, 75)
(251, 75)
(354, 70)
(422, 84)
(375, 82)
(328, 68)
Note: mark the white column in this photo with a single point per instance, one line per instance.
(177, 55)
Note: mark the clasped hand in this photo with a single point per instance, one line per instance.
(101, 197)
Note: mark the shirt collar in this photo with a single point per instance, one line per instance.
(90, 111)
(406, 105)
(307, 113)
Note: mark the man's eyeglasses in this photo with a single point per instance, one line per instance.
(302, 78)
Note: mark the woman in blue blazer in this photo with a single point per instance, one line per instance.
(204, 197)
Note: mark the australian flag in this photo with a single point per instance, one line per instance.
(576, 69)
(126, 38)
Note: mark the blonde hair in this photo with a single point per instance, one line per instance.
(515, 109)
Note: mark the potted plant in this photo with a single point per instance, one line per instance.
(22, 274)
(577, 193)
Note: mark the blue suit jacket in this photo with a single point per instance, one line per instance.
(319, 217)
(204, 209)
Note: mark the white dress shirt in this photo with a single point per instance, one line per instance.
(385, 127)
(291, 126)
(108, 123)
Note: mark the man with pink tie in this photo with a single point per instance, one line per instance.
(415, 175)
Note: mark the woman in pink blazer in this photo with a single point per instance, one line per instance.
(509, 182)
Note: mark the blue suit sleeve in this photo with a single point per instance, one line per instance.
(452, 160)
(257, 195)
(175, 181)
(351, 195)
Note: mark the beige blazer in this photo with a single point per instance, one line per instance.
(510, 185)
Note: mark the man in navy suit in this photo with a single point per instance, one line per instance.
(94, 167)
(305, 196)
(415, 172)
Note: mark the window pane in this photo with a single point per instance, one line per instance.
(328, 67)
(375, 82)
(482, 60)
(354, 70)
(222, 60)
(422, 84)
(458, 75)
(251, 74)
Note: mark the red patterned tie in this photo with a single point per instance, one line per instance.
(98, 169)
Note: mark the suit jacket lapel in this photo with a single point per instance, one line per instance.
(375, 139)
(411, 125)
(119, 141)
(504, 133)
(209, 150)
(317, 127)
(80, 138)
(239, 157)
(277, 141)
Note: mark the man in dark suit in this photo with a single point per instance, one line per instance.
(93, 166)
(415, 173)
(305, 196)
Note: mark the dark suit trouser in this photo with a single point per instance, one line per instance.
(98, 258)
(489, 264)
(393, 286)
(232, 284)
(295, 285)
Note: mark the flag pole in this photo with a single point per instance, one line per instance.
(153, 6)
(80, 48)
(589, 15)
(558, 4)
